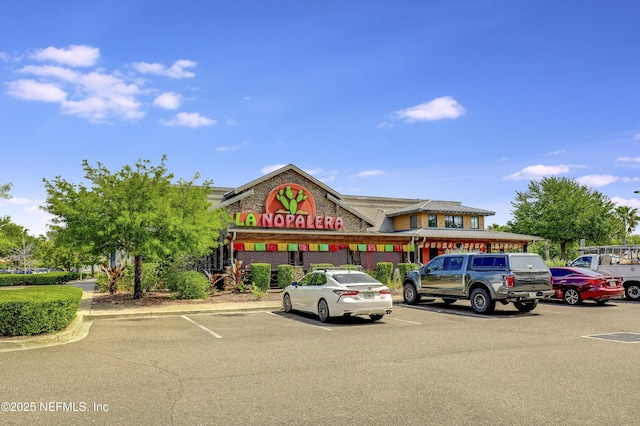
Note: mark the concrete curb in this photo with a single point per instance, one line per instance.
(76, 330)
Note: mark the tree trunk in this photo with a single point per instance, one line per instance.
(137, 273)
(563, 251)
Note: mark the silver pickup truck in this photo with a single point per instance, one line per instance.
(484, 279)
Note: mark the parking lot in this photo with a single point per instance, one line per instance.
(429, 364)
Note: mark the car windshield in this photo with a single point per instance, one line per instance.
(353, 278)
(520, 263)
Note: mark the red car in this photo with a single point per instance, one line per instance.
(573, 285)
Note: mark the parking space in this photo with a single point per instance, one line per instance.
(422, 364)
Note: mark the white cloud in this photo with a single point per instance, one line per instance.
(189, 119)
(268, 169)
(367, 173)
(95, 94)
(35, 91)
(176, 70)
(328, 179)
(246, 98)
(628, 159)
(437, 109)
(56, 72)
(597, 181)
(4, 57)
(168, 100)
(385, 125)
(74, 56)
(637, 136)
(631, 202)
(538, 171)
(557, 152)
(227, 148)
(603, 180)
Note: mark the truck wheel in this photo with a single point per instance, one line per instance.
(481, 301)
(632, 291)
(527, 306)
(572, 296)
(410, 294)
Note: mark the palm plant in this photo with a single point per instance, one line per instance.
(629, 218)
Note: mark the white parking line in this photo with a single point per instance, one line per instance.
(396, 319)
(310, 325)
(217, 336)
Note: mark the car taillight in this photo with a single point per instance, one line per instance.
(508, 281)
(346, 292)
(385, 291)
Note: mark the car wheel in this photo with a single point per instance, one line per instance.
(481, 301)
(527, 306)
(632, 291)
(323, 310)
(410, 294)
(376, 317)
(286, 302)
(572, 296)
(449, 300)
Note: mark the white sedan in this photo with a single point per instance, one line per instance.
(338, 292)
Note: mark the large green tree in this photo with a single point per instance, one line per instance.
(563, 211)
(629, 219)
(137, 211)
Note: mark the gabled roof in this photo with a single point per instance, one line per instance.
(277, 172)
(245, 190)
(434, 206)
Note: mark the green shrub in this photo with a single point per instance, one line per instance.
(38, 309)
(261, 275)
(403, 268)
(148, 277)
(188, 284)
(351, 267)
(50, 278)
(384, 271)
(285, 275)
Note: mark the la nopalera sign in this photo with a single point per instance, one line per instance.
(288, 206)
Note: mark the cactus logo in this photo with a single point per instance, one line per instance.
(289, 206)
(290, 199)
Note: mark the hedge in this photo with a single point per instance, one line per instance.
(403, 268)
(261, 275)
(384, 271)
(285, 275)
(38, 309)
(50, 278)
(188, 284)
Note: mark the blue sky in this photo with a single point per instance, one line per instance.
(452, 100)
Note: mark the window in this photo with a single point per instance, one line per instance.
(453, 264)
(453, 221)
(413, 221)
(475, 222)
(295, 258)
(432, 221)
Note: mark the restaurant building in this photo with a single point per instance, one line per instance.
(290, 217)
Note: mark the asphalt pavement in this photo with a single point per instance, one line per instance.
(81, 324)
